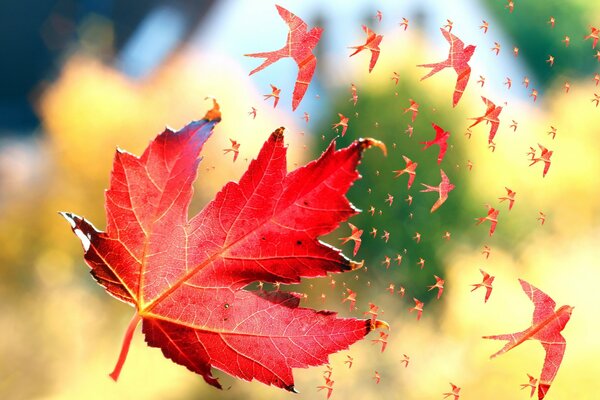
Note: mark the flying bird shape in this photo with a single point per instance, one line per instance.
(443, 189)
(410, 169)
(546, 327)
(372, 44)
(299, 46)
(458, 58)
(492, 115)
(441, 139)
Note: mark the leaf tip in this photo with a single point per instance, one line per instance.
(292, 389)
(369, 142)
(278, 133)
(69, 217)
(75, 223)
(214, 114)
(380, 324)
(356, 265)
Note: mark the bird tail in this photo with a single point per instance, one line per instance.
(270, 56)
(427, 144)
(435, 69)
(514, 339)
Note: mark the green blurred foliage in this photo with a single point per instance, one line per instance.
(379, 113)
(529, 28)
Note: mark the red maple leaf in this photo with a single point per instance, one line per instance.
(546, 327)
(299, 46)
(186, 277)
(372, 43)
(458, 58)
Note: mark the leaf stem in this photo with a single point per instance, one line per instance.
(125, 346)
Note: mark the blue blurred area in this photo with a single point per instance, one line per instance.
(138, 36)
(35, 38)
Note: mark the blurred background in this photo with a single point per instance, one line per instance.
(79, 78)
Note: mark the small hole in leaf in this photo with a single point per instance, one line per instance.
(299, 242)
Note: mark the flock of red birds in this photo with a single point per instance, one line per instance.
(547, 323)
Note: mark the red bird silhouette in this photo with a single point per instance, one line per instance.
(379, 15)
(443, 189)
(404, 23)
(350, 298)
(594, 35)
(372, 44)
(410, 169)
(492, 115)
(414, 107)
(496, 48)
(418, 308)
(275, 92)
(545, 155)
(405, 360)
(343, 123)
(439, 285)
(441, 139)
(510, 196)
(328, 386)
(484, 25)
(455, 392)
(449, 25)
(546, 327)
(486, 283)
(458, 58)
(492, 216)
(354, 236)
(382, 339)
(377, 377)
(354, 94)
(299, 46)
(235, 149)
(349, 361)
(532, 384)
(510, 6)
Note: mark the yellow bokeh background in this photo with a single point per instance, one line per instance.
(61, 333)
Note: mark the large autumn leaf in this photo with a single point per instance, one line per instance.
(186, 278)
